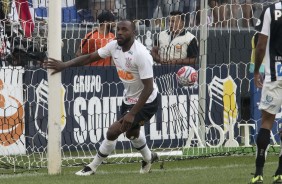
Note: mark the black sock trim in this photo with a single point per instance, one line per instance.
(102, 155)
(141, 147)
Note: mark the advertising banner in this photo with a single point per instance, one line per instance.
(12, 126)
(93, 95)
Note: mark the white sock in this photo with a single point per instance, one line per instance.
(140, 144)
(105, 150)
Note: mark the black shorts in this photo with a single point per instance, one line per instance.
(144, 115)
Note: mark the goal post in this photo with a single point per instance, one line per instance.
(203, 66)
(54, 83)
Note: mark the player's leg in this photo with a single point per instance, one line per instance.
(106, 148)
(269, 105)
(138, 138)
(278, 174)
(263, 140)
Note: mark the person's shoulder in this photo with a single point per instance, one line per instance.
(113, 43)
(165, 32)
(112, 35)
(93, 33)
(188, 33)
(140, 49)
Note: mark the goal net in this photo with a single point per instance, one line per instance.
(92, 96)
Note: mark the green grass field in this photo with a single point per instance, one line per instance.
(213, 170)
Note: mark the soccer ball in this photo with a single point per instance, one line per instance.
(187, 76)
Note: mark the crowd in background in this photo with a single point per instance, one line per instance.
(148, 13)
(222, 13)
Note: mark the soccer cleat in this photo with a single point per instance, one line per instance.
(257, 180)
(277, 179)
(86, 171)
(146, 166)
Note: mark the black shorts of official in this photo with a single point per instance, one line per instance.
(144, 115)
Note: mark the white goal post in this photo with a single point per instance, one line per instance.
(54, 100)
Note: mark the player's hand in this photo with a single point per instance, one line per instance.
(54, 64)
(155, 54)
(127, 122)
(258, 80)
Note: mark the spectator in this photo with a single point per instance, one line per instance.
(247, 12)
(176, 45)
(219, 12)
(101, 5)
(98, 38)
(138, 9)
(191, 7)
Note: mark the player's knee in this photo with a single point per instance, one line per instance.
(132, 134)
(112, 134)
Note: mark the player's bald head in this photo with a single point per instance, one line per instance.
(128, 23)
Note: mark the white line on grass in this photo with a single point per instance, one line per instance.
(166, 169)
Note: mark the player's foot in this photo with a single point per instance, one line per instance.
(86, 171)
(277, 179)
(146, 166)
(257, 180)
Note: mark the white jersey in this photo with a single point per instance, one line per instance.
(270, 24)
(132, 66)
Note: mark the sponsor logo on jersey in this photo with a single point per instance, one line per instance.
(11, 118)
(279, 70)
(277, 14)
(268, 99)
(125, 75)
(178, 47)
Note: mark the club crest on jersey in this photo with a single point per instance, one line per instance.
(130, 52)
(128, 63)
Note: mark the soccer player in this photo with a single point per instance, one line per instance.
(134, 66)
(269, 48)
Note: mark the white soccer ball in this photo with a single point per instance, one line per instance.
(187, 76)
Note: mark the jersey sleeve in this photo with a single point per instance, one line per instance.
(263, 25)
(193, 49)
(145, 65)
(106, 51)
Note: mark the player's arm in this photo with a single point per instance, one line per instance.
(263, 29)
(58, 66)
(145, 94)
(259, 55)
(155, 54)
